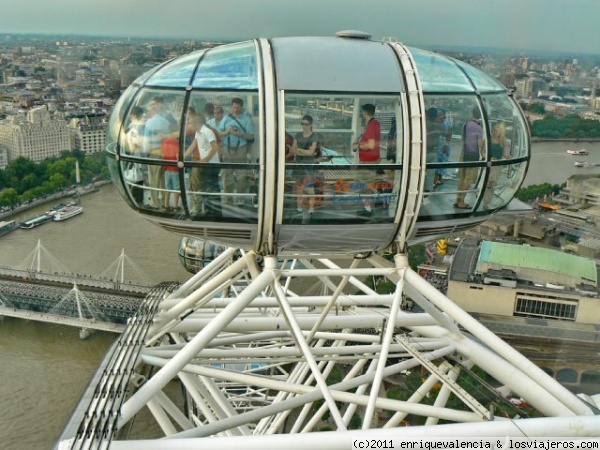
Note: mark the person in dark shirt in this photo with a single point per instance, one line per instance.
(306, 152)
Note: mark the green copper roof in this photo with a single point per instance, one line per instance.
(539, 258)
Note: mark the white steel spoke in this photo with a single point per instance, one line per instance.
(256, 361)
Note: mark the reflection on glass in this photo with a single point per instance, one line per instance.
(194, 253)
(473, 150)
(113, 169)
(442, 202)
(177, 73)
(439, 126)
(439, 74)
(134, 175)
(481, 80)
(229, 66)
(503, 183)
(116, 119)
(333, 147)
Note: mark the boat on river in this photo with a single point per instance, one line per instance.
(8, 227)
(35, 221)
(67, 213)
(581, 151)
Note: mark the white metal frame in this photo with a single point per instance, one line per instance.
(259, 361)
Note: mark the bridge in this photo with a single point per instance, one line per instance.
(54, 295)
(84, 324)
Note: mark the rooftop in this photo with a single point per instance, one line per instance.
(509, 255)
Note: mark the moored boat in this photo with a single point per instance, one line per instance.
(67, 213)
(35, 221)
(8, 227)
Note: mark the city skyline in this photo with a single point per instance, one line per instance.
(547, 25)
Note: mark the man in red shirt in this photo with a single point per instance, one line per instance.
(368, 144)
(368, 147)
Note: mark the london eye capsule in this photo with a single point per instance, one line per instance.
(315, 145)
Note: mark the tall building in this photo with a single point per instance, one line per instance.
(36, 137)
(524, 88)
(3, 158)
(88, 132)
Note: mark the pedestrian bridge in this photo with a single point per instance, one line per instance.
(88, 324)
(54, 295)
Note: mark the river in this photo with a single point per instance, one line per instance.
(45, 368)
(551, 164)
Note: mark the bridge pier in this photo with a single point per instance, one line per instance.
(84, 333)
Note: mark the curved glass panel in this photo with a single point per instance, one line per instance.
(194, 254)
(116, 119)
(328, 179)
(143, 77)
(221, 157)
(506, 121)
(439, 74)
(113, 169)
(152, 132)
(135, 176)
(228, 67)
(176, 73)
(482, 81)
(502, 184)
(455, 136)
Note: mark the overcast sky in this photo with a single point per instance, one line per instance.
(569, 25)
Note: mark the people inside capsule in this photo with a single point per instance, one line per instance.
(157, 126)
(473, 149)
(204, 179)
(439, 136)
(209, 111)
(136, 173)
(368, 148)
(306, 151)
(498, 151)
(238, 134)
(170, 152)
(216, 124)
(443, 146)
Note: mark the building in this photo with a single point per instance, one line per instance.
(524, 88)
(3, 158)
(35, 136)
(584, 190)
(88, 132)
(517, 280)
(533, 227)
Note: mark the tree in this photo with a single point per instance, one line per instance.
(9, 197)
(538, 108)
(28, 196)
(58, 181)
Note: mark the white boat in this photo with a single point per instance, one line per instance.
(67, 213)
(582, 151)
(580, 164)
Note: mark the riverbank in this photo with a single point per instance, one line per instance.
(89, 189)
